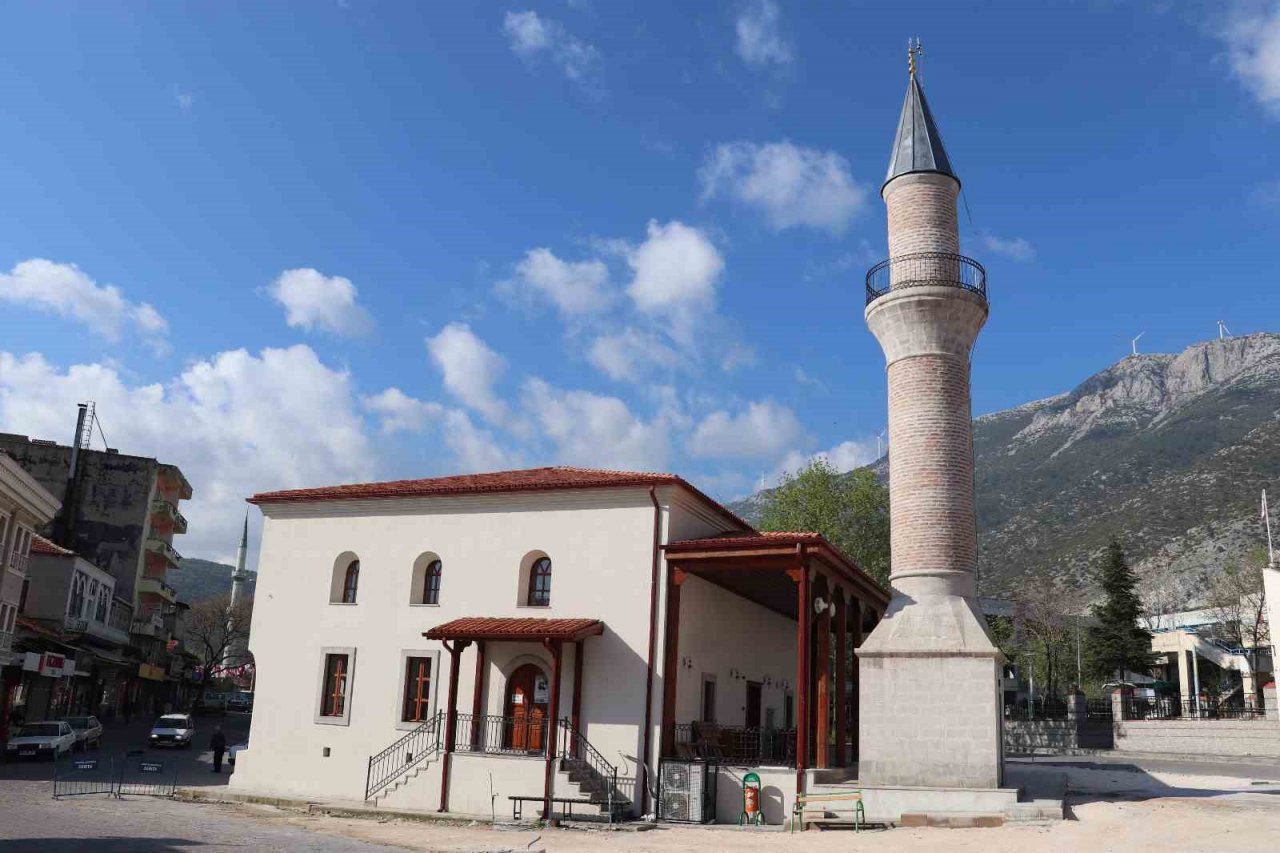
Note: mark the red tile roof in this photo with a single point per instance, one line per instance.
(40, 545)
(557, 478)
(510, 628)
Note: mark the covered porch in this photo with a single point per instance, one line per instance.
(798, 698)
(532, 723)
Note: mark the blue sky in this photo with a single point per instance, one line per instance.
(289, 244)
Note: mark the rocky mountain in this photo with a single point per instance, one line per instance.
(200, 579)
(1170, 452)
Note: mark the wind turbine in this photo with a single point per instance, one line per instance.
(1223, 331)
(880, 442)
(1134, 343)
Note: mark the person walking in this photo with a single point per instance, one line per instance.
(218, 743)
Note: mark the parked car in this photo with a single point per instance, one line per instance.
(48, 739)
(242, 702)
(210, 706)
(234, 748)
(88, 730)
(173, 730)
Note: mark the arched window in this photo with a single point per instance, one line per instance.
(431, 583)
(540, 583)
(350, 581)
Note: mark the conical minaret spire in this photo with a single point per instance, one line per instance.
(239, 575)
(917, 147)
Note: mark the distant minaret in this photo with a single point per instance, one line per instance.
(929, 698)
(236, 651)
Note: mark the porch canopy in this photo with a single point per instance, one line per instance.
(801, 576)
(514, 630)
(552, 634)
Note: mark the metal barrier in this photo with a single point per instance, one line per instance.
(80, 776)
(145, 777)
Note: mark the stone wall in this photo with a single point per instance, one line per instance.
(1023, 737)
(1200, 737)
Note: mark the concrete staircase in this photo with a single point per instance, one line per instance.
(402, 793)
(577, 779)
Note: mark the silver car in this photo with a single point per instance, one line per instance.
(48, 739)
(88, 731)
(173, 730)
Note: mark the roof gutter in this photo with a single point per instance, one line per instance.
(653, 642)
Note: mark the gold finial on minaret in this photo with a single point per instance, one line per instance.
(913, 50)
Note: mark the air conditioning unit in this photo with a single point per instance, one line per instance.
(687, 791)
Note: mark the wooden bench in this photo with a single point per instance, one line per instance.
(517, 805)
(806, 804)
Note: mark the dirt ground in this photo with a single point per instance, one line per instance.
(1109, 809)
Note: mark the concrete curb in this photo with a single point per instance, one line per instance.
(201, 795)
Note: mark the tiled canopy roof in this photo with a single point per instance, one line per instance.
(40, 545)
(771, 538)
(557, 478)
(508, 628)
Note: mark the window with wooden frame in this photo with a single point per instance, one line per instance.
(431, 582)
(540, 583)
(417, 690)
(337, 672)
(350, 581)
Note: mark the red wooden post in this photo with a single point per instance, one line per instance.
(451, 719)
(477, 697)
(822, 663)
(842, 679)
(671, 661)
(553, 727)
(855, 630)
(575, 713)
(801, 575)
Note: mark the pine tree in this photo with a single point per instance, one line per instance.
(1118, 644)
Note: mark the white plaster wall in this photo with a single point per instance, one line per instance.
(721, 631)
(600, 543)
(777, 793)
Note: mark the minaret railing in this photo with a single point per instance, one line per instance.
(926, 269)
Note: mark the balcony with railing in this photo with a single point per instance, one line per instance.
(155, 586)
(164, 550)
(95, 629)
(744, 746)
(926, 269)
(168, 511)
(150, 625)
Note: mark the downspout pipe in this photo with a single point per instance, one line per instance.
(653, 643)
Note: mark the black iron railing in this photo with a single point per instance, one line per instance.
(739, 745)
(496, 735)
(577, 754)
(403, 755)
(923, 269)
(1176, 708)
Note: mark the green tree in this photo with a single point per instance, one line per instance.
(1118, 643)
(851, 510)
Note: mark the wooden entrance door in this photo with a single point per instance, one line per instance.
(526, 708)
(754, 702)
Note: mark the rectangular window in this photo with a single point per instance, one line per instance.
(417, 690)
(333, 702)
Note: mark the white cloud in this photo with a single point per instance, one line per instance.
(760, 41)
(592, 429)
(675, 269)
(1252, 34)
(470, 369)
(812, 381)
(64, 290)
(235, 423)
(574, 287)
(764, 430)
(531, 37)
(398, 412)
(791, 185)
(845, 456)
(1014, 248)
(627, 355)
(185, 100)
(313, 301)
(473, 448)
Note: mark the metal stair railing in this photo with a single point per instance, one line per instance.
(403, 755)
(572, 746)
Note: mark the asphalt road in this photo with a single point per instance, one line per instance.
(31, 820)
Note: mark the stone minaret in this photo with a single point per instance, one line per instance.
(929, 699)
(236, 651)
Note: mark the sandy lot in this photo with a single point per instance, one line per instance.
(1110, 809)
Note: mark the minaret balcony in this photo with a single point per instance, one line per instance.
(926, 269)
